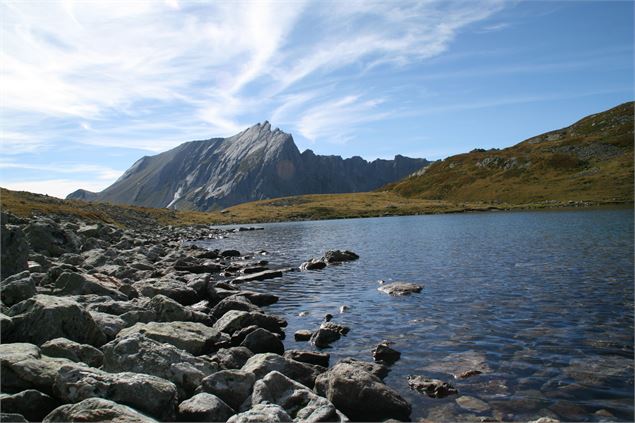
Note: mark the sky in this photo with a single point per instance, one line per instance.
(89, 87)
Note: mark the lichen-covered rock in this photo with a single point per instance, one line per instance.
(262, 413)
(45, 317)
(65, 348)
(204, 407)
(97, 410)
(195, 338)
(32, 404)
(296, 399)
(360, 395)
(138, 354)
(232, 386)
(262, 364)
(149, 394)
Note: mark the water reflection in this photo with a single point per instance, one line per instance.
(540, 302)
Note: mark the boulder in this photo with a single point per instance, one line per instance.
(16, 288)
(197, 266)
(14, 418)
(45, 317)
(149, 394)
(258, 276)
(233, 303)
(338, 256)
(262, 413)
(46, 237)
(433, 388)
(65, 348)
(297, 400)
(174, 289)
(232, 358)
(23, 367)
(97, 410)
(360, 395)
(234, 320)
(168, 310)
(139, 354)
(260, 299)
(310, 357)
(109, 324)
(232, 386)
(313, 264)
(195, 338)
(32, 404)
(230, 253)
(400, 288)
(323, 337)
(382, 353)
(70, 283)
(262, 364)
(302, 335)
(376, 369)
(204, 407)
(6, 325)
(263, 341)
(14, 251)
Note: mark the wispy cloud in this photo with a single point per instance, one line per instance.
(59, 188)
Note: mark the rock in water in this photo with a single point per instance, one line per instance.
(384, 354)
(360, 395)
(261, 364)
(338, 256)
(310, 357)
(400, 288)
(263, 341)
(97, 410)
(434, 388)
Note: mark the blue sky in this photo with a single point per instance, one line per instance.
(87, 88)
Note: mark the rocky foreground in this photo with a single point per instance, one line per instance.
(104, 323)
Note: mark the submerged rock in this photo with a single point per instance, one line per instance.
(433, 388)
(400, 288)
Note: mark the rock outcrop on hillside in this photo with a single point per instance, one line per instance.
(255, 164)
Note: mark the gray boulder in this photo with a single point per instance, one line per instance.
(262, 364)
(383, 353)
(232, 358)
(338, 256)
(360, 395)
(297, 400)
(139, 354)
(16, 288)
(262, 413)
(171, 288)
(309, 357)
(400, 288)
(263, 341)
(233, 302)
(149, 394)
(12, 417)
(204, 407)
(65, 348)
(234, 320)
(433, 388)
(375, 369)
(232, 386)
(324, 337)
(167, 310)
(32, 404)
(48, 238)
(313, 264)
(109, 324)
(45, 317)
(97, 410)
(260, 299)
(14, 251)
(70, 283)
(195, 338)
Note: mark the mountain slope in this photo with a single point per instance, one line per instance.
(591, 160)
(255, 164)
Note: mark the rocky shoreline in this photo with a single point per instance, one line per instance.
(104, 323)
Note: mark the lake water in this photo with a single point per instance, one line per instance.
(540, 302)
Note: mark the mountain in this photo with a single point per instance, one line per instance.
(255, 164)
(591, 160)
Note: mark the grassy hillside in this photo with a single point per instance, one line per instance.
(591, 160)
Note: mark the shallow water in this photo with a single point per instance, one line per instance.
(540, 302)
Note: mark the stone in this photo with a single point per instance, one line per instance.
(232, 303)
(234, 320)
(44, 317)
(70, 283)
(338, 256)
(97, 410)
(232, 358)
(231, 386)
(467, 373)
(65, 348)
(32, 404)
(16, 288)
(193, 337)
(139, 354)
(12, 417)
(309, 357)
(14, 251)
(263, 341)
(261, 364)
(472, 404)
(204, 407)
(400, 288)
(433, 388)
(168, 310)
(195, 266)
(384, 354)
(171, 288)
(323, 337)
(259, 276)
(361, 395)
(302, 335)
(262, 413)
(6, 326)
(149, 394)
(46, 237)
(230, 253)
(299, 402)
(313, 264)
(109, 324)
(260, 299)
(375, 369)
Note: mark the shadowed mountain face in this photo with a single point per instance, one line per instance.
(255, 164)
